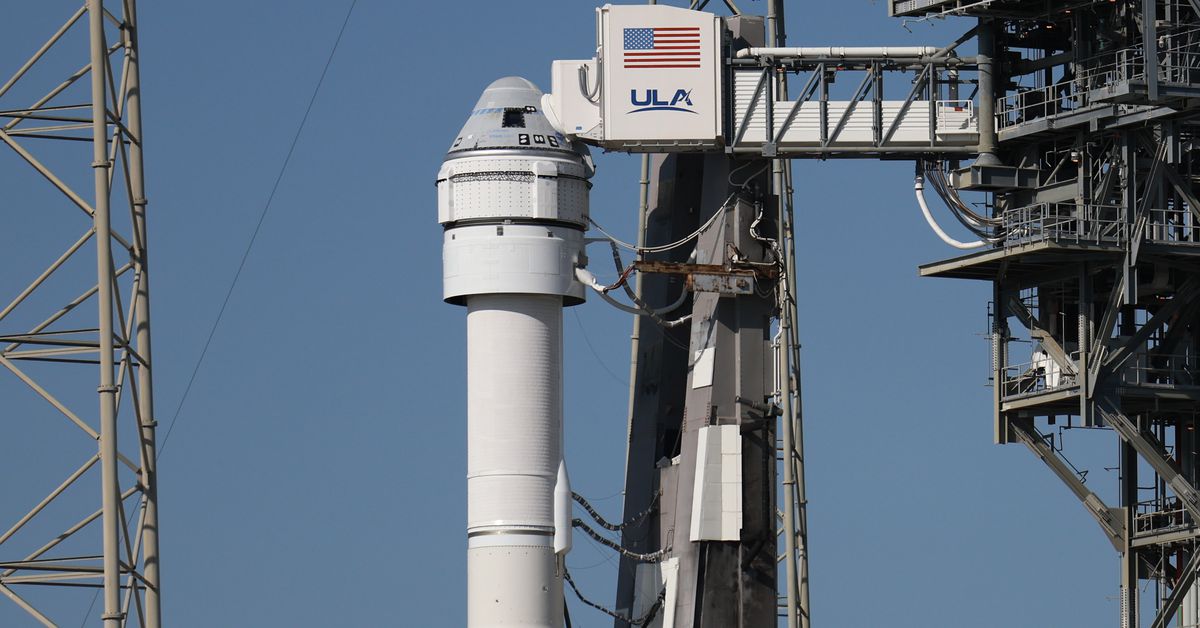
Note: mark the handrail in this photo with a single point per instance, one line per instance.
(1178, 64)
(1061, 222)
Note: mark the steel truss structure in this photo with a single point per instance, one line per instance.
(885, 127)
(81, 327)
(1086, 124)
(1094, 265)
(755, 385)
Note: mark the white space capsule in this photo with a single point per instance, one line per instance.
(513, 199)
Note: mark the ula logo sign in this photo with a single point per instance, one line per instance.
(649, 100)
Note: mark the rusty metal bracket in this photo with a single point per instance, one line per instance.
(730, 279)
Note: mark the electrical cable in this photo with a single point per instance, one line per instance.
(748, 179)
(589, 93)
(919, 188)
(633, 296)
(969, 219)
(639, 621)
(975, 227)
(212, 332)
(771, 243)
(652, 557)
(937, 178)
(952, 193)
(587, 341)
(616, 527)
(588, 279)
(667, 247)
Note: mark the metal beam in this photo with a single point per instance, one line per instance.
(1150, 46)
(1189, 290)
(1051, 345)
(918, 84)
(1153, 454)
(1104, 329)
(859, 94)
(1183, 188)
(110, 491)
(1111, 520)
(1182, 587)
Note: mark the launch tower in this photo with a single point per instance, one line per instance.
(82, 514)
(1095, 315)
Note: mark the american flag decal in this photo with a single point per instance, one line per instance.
(662, 47)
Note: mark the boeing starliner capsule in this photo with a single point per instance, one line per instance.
(513, 199)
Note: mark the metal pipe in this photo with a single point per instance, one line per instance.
(19, 601)
(63, 311)
(49, 498)
(66, 534)
(20, 298)
(635, 336)
(795, 609)
(919, 188)
(112, 616)
(839, 52)
(51, 399)
(823, 153)
(800, 488)
(151, 559)
(987, 94)
(45, 172)
(41, 51)
(60, 88)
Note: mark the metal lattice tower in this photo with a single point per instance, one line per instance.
(76, 335)
(1095, 316)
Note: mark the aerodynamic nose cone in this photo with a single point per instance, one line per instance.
(509, 116)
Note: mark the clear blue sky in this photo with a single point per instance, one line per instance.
(316, 476)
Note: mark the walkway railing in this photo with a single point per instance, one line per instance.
(1064, 222)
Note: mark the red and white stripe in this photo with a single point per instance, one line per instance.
(674, 47)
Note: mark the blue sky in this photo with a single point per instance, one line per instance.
(316, 475)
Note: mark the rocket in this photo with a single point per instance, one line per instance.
(513, 200)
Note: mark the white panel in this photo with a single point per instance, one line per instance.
(445, 196)
(702, 368)
(661, 74)
(569, 109)
(717, 493)
(670, 568)
(506, 259)
(1189, 609)
(472, 188)
(648, 581)
(745, 85)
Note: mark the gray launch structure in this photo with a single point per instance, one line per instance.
(716, 371)
(1095, 314)
(1080, 131)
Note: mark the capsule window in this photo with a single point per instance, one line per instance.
(514, 118)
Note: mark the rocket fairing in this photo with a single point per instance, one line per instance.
(513, 199)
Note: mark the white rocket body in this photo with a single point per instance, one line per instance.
(513, 198)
